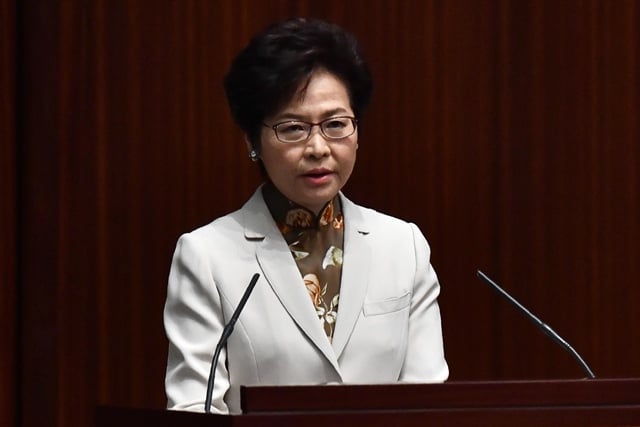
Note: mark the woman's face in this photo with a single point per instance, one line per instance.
(311, 172)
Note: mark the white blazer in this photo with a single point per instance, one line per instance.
(388, 325)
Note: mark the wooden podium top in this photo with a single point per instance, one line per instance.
(451, 395)
(597, 402)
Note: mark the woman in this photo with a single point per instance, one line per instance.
(346, 294)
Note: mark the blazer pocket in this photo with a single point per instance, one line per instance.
(390, 305)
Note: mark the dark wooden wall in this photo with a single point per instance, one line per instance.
(8, 240)
(507, 130)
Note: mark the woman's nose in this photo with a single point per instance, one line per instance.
(317, 145)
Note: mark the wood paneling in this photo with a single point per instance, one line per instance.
(8, 269)
(506, 130)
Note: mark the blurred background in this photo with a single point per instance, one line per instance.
(507, 130)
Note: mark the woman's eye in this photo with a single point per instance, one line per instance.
(291, 128)
(335, 124)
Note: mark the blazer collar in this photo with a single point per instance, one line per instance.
(257, 220)
(280, 270)
(282, 274)
(355, 272)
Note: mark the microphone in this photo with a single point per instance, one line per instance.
(226, 333)
(539, 323)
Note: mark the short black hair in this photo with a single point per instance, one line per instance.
(267, 73)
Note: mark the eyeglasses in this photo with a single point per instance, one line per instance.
(332, 128)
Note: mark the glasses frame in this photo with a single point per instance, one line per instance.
(274, 127)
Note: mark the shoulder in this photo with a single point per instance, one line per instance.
(385, 231)
(219, 227)
(371, 220)
(253, 214)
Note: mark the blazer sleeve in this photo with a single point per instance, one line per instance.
(193, 320)
(424, 359)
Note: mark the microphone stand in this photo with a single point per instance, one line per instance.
(226, 332)
(539, 323)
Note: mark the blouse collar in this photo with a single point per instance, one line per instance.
(290, 214)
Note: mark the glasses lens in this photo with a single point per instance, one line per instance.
(333, 128)
(292, 131)
(338, 127)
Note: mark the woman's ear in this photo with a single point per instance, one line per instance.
(253, 153)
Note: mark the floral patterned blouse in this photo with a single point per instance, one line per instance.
(316, 244)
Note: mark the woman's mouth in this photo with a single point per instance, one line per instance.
(317, 177)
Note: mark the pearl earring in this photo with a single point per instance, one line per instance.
(253, 155)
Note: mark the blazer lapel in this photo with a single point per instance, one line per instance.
(282, 274)
(355, 273)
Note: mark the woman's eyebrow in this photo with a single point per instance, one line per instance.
(304, 117)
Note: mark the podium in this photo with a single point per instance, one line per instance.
(597, 402)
